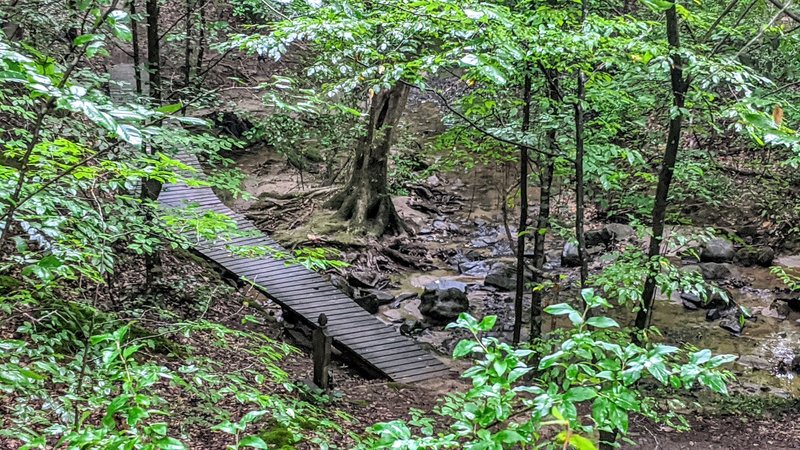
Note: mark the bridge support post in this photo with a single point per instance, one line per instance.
(321, 343)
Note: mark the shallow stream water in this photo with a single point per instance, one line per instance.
(765, 342)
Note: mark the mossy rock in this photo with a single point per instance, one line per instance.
(278, 437)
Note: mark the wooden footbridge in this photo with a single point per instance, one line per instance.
(355, 332)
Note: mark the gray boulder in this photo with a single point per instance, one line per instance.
(777, 310)
(363, 279)
(368, 302)
(381, 297)
(594, 238)
(620, 231)
(795, 364)
(752, 255)
(732, 324)
(443, 300)
(502, 275)
(411, 327)
(793, 302)
(717, 250)
(474, 268)
(569, 256)
(715, 300)
(715, 271)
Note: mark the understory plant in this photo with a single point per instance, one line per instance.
(75, 378)
(589, 383)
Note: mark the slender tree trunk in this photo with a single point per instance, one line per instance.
(542, 228)
(201, 36)
(137, 54)
(153, 50)
(679, 88)
(543, 221)
(187, 51)
(152, 188)
(579, 156)
(365, 201)
(523, 211)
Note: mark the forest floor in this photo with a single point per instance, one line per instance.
(741, 422)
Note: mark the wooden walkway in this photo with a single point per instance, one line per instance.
(307, 294)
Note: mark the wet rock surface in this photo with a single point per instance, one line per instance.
(620, 231)
(503, 275)
(717, 250)
(715, 271)
(755, 256)
(569, 255)
(443, 300)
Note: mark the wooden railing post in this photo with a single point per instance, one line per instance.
(321, 343)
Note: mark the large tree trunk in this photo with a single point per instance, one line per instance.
(365, 201)
(679, 88)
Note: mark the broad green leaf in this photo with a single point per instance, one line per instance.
(254, 442)
(464, 348)
(129, 134)
(549, 360)
(602, 322)
(169, 443)
(487, 323)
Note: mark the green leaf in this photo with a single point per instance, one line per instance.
(254, 442)
(575, 441)
(136, 414)
(580, 394)
(602, 322)
(659, 371)
(86, 38)
(508, 437)
(171, 108)
(661, 350)
(464, 348)
(515, 374)
(549, 360)
(159, 428)
(117, 21)
(169, 443)
(129, 134)
(560, 309)
(581, 443)
(658, 5)
(500, 366)
(487, 323)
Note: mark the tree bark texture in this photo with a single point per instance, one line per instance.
(679, 88)
(580, 151)
(543, 221)
(365, 200)
(137, 54)
(523, 211)
(153, 50)
(152, 188)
